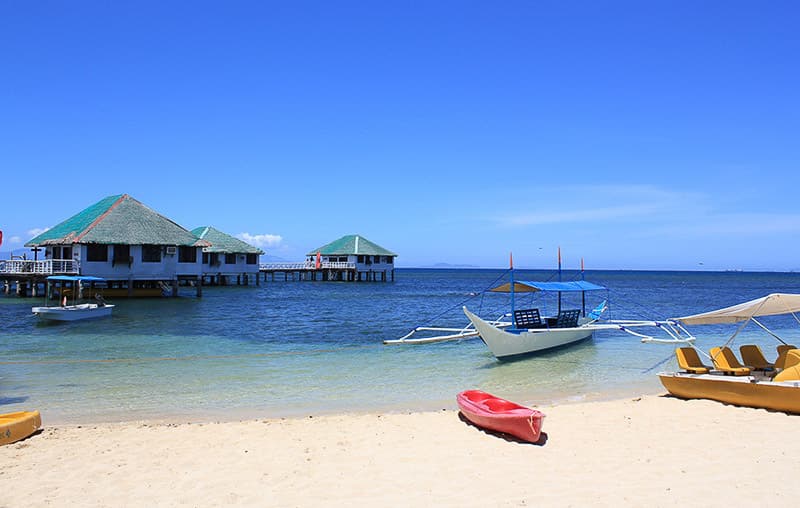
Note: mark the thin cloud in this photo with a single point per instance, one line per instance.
(261, 240)
(15, 239)
(607, 203)
(36, 231)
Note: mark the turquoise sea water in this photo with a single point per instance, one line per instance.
(297, 348)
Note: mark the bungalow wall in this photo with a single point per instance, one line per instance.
(363, 262)
(137, 262)
(229, 264)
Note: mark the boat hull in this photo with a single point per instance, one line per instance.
(73, 312)
(16, 426)
(500, 415)
(736, 390)
(507, 345)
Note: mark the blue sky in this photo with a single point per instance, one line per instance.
(640, 135)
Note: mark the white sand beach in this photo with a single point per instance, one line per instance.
(653, 450)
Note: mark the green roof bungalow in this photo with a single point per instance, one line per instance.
(136, 249)
(227, 257)
(358, 257)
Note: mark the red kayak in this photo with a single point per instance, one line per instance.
(501, 415)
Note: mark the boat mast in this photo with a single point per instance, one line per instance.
(559, 278)
(583, 293)
(511, 271)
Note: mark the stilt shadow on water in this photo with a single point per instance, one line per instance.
(502, 435)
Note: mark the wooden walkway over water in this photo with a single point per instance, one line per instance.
(25, 273)
(324, 271)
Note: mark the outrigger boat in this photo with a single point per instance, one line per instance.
(753, 382)
(528, 332)
(75, 310)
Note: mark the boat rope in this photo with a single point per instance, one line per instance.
(458, 305)
(658, 364)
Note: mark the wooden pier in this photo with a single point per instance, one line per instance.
(324, 271)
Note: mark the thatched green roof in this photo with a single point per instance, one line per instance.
(352, 245)
(117, 219)
(223, 242)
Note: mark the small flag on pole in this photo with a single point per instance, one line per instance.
(511, 260)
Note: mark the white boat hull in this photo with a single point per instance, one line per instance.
(73, 312)
(506, 345)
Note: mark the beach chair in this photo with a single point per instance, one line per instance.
(727, 363)
(527, 318)
(568, 318)
(690, 361)
(780, 362)
(754, 358)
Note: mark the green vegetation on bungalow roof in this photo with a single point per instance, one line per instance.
(223, 242)
(352, 245)
(118, 219)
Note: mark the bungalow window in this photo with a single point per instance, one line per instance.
(205, 258)
(151, 253)
(252, 259)
(122, 255)
(360, 259)
(187, 255)
(66, 253)
(389, 259)
(97, 252)
(230, 259)
(213, 259)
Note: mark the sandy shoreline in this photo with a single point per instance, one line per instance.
(652, 450)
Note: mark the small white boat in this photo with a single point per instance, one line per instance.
(528, 332)
(75, 311)
(531, 332)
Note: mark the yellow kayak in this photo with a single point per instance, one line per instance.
(16, 426)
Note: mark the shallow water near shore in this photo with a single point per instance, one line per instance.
(301, 348)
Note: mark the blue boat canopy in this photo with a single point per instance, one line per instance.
(76, 278)
(527, 286)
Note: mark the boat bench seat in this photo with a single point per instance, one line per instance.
(568, 318)
(754, 358)
(527, 318)
(690, 361)
(727, 363)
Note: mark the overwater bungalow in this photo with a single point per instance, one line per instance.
(137, 250)
(360, 258)
(227, 258)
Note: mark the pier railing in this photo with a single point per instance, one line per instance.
(294, 267)
(44, 267)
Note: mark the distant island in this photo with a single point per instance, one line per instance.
(449, 265)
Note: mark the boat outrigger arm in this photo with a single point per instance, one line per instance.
(466, 332)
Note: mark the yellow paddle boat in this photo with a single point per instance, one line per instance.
(16, 426)
(752, 382)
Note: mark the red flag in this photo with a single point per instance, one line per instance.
(511, 260)
(1, 238)
(318, 264)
